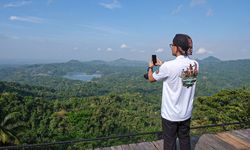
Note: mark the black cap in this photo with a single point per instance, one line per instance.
(181, 40)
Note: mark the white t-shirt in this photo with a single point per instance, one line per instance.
(178, 87)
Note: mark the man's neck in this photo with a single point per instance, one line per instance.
(178, 54)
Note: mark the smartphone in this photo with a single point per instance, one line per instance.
(154, 59)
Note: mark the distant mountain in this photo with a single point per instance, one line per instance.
(74, 62)
(96, 62)
(126, 62)
(117, 62)
(211, 59)
(214, 75)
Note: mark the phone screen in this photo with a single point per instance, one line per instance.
(154, 59)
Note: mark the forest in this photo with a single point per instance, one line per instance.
(38, 105)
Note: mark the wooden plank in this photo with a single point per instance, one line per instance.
(135, 147)
(158, 144)
(233, 140)
(116, 148)
(147, 146)
(126, 147)
(211, 142)
(242, 134)
(246, 131)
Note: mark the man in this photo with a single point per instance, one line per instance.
(179, 81)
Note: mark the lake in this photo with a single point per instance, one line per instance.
(81, 76)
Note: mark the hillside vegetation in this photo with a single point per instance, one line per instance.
(42, 106)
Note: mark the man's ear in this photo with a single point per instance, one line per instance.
(178, 49)
(190, 51)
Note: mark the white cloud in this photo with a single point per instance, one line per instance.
(112, 5)
(197, 2)
(159, 50)
(209, 12)
(99, 49)
(26, 19)
(176, 10)
(203, 51)
(109, 49)
(16, 4)
(124, 46)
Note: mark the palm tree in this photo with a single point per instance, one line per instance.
(7, 126)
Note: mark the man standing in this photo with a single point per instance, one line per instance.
(179, 81)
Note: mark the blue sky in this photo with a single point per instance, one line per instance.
(61, 30)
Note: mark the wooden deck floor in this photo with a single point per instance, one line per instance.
(232, 140)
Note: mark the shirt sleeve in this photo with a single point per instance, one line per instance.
(197, 65)
(161, 74)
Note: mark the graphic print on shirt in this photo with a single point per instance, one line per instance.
(189, 75)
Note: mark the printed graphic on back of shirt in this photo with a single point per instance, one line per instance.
(189, 75)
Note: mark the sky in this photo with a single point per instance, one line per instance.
(62, 30)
